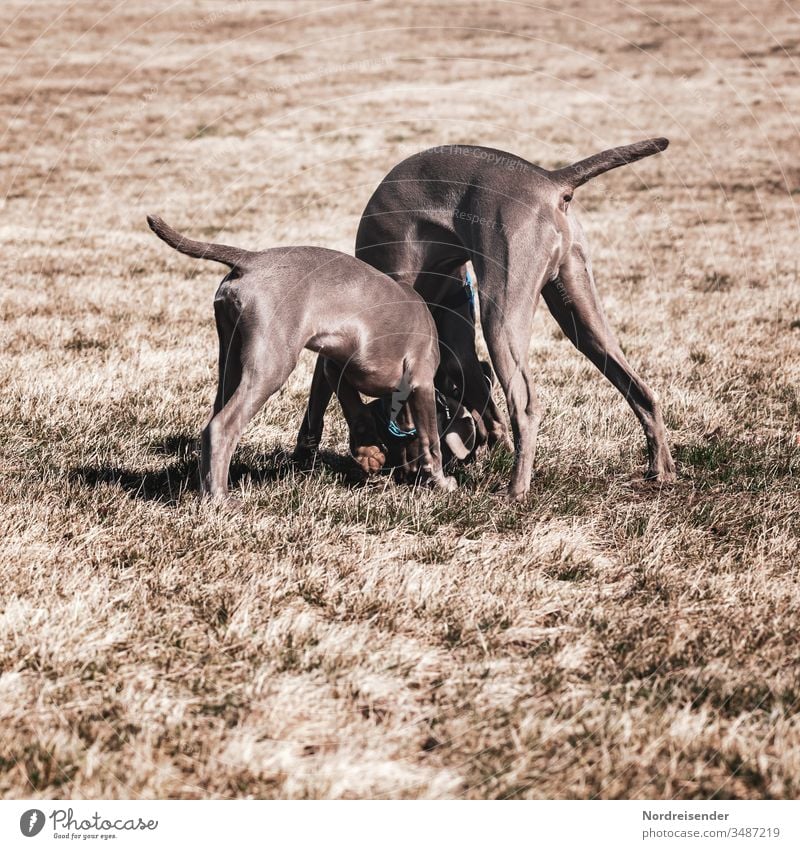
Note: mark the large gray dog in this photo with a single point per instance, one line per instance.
(440, 208)
(376, 335)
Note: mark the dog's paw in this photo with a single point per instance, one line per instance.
(222, 504)
(370, 458)
(516, 496)
(665, 475)
(404, 476)
(448, 484)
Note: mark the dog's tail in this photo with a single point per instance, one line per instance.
(581, 172)
(232, 257)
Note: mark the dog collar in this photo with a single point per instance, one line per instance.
(394, 430)
(398, 433)
(464, 295)
(457, 298)
(469, 285)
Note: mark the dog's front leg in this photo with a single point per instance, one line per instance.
(422, 403)
(365, 445)
(310, 435)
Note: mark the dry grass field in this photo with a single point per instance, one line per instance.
(606, 638)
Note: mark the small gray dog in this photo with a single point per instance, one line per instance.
(375, 334)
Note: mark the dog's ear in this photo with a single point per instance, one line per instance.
(460, 435)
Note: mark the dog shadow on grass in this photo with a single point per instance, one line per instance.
(171, 483)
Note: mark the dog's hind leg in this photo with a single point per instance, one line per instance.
(572, 299)
(507, 310)
(248, 377)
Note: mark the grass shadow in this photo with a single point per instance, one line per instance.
(165, 485)
(740, 465)
(168, 485)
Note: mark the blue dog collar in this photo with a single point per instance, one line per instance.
(394, 430)
(469, 284)
(391, 425)
(398, 433)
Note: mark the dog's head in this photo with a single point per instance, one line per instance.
(457, 432)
